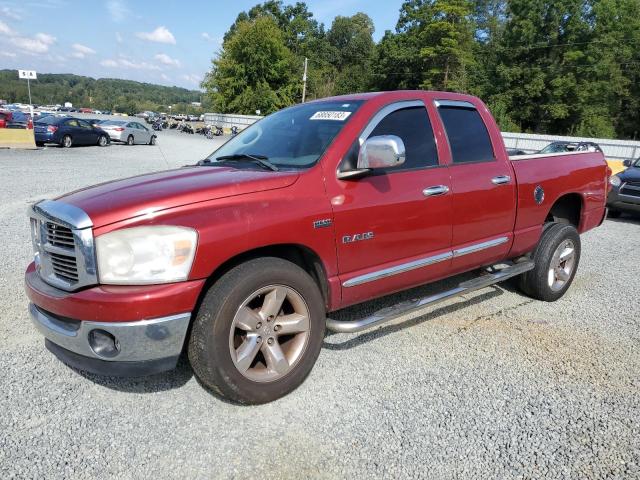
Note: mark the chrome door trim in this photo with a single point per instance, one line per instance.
(454, 103)
(501, 180)
(423, 262)
(383, 112)
(459, 252)
(402, 268)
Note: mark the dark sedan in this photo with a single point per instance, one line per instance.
(625, 190)
(68, 131)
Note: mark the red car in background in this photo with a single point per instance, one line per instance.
(5, 118)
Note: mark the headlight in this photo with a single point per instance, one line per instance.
(145, 255)
(615, 181)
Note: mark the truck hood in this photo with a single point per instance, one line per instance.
(119, 200)
(631, 174)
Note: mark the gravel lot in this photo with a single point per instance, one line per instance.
(491, 386)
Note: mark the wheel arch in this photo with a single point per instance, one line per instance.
(566, 209)
(301, 255)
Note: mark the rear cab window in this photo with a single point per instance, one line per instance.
(466, 131)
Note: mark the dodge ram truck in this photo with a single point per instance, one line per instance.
(238, 261)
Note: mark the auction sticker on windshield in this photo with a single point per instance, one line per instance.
(324, 115)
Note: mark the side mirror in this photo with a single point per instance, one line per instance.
(384, 151)
(627, 163)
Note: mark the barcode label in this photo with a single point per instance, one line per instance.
(338, 116)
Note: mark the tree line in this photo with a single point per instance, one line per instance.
(563, 67)
(125, 96)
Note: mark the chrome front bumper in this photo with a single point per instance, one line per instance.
(155, 343)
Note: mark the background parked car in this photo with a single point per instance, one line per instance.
(130, 133)
(68, 131)
(563, 147)
(20, 120)
(625, 190)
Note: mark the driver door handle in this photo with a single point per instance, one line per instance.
(435, 190)
(501, 180)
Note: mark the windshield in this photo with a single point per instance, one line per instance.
(555, 148)
(292, 138)
(113, 122)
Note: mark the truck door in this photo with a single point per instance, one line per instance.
(483, 187)
(393, 227)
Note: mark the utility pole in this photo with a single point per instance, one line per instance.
(304, 80)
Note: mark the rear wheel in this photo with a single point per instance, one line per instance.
(258, 331)
(152, 141)
(67, 141)
(614, 213)
(130, 140)
(556, 261)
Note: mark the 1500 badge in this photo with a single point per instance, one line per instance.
(358, 237)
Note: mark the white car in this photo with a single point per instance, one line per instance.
(131, 133)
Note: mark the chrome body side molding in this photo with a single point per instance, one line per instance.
(422, 262)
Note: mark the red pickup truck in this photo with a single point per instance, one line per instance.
(239, 260)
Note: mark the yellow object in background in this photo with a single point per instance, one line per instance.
(616, 166)
(17, 138)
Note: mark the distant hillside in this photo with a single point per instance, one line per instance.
(103, 94)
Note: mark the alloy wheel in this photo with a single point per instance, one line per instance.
(562, 265)
(269, 333)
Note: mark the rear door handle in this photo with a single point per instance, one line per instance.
(435, 190)
(501, 180)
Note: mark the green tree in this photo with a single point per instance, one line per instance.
(433, 46)
(253, 72)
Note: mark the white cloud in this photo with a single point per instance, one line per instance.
(193, 78)
(210, 38)
(5, 29)
(159, 35)
(165, 77)
(167, 60)
(118, 11)
(9, 12)
(109, 63)
(126, 63)
(8, 54)
(45, 38)
(36, 45)
(81, 51)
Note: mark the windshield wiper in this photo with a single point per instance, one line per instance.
(259, 159)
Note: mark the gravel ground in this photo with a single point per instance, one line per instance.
(494, 385)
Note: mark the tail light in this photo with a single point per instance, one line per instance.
(52, 128)
(607, 182)
(119, 129)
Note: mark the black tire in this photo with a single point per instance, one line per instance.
(67, 141)
(103, 141)
(536, 283)
(614, 213)
(209, 349)
(152, 141)
(39, 144)
(130, 140)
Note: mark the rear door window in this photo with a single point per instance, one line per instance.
(468, 136)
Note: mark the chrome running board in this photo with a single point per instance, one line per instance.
(391, 313)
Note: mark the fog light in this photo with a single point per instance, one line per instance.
(103, 343)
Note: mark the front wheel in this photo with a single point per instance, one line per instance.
(556, 261)
(258, 331)
(102, 141)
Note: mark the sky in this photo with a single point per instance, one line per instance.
(163, 41)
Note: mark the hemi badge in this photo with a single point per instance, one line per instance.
(322, 223)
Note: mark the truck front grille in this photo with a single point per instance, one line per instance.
(631, 189)
(63, 245)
